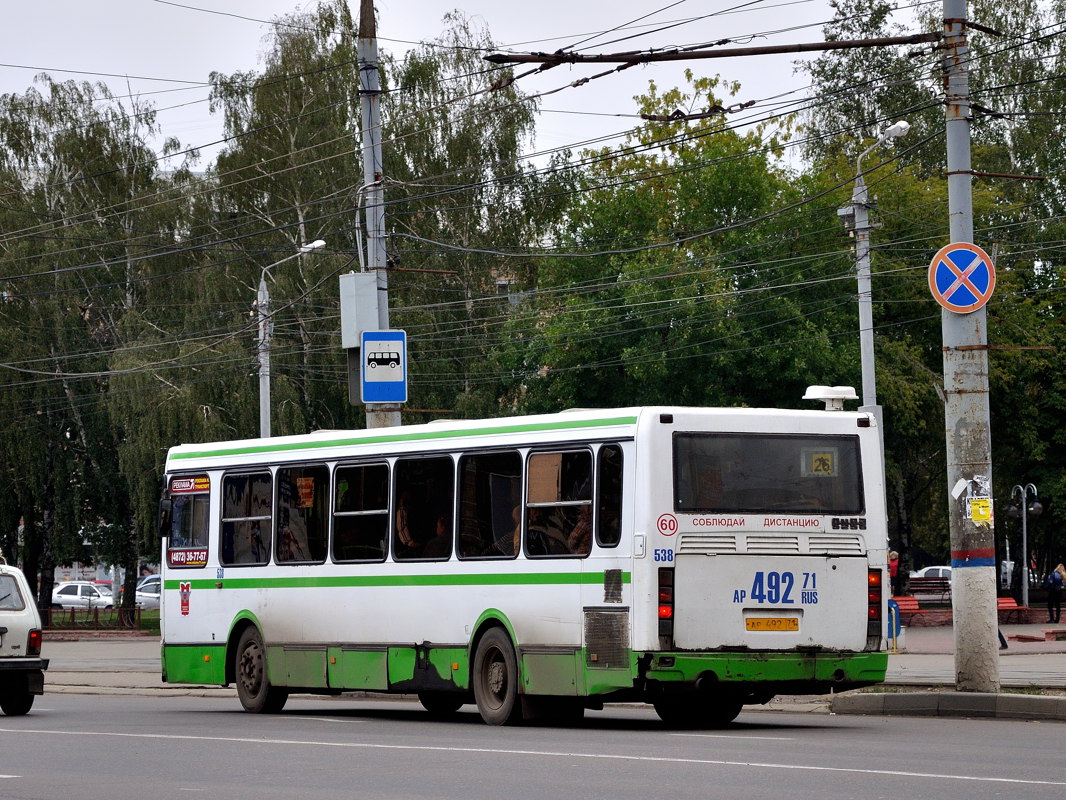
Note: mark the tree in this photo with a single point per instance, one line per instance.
(76, 170)
(454, 136)
(687, 294)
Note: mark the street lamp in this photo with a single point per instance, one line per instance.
(262, 306)
(856, 218)
(1024, 510)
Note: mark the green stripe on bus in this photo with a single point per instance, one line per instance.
(340, 581)
(304, 444)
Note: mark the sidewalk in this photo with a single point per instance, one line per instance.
(929, 658)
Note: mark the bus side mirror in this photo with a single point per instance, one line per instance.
(166, 505)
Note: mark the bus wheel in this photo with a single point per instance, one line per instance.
(441, 704)
(688, 711)
(496, 679)
(253, 688)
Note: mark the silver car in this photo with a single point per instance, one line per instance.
(82, 594)
(148, 591)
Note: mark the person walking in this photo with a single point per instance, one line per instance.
(1054, 583)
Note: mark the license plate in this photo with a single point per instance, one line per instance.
(772, 623)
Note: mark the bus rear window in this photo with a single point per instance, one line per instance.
(763, 473)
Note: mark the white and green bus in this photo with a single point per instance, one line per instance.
(697, 559)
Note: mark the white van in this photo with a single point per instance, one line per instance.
(21, 666)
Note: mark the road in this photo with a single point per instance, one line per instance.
(130, 746)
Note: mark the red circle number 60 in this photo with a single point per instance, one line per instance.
(667, 524)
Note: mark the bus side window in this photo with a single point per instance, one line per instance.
(425, 493)
(609, 495)
(559, 503)
(490, 489)
(189, 520)
(247, 503)
(301, 521)
(360, 512)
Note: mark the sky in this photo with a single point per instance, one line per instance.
(164, 51)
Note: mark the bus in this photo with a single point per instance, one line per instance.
(696, 559)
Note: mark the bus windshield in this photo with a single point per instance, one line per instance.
(757, 473)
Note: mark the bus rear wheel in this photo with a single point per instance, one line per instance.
(441, 704)
(698, 711)
(496, 679)
(253, 687)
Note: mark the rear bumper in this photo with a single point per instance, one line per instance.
(23, 664)
(779, 673)
(27, 673)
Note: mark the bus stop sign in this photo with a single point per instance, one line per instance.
(961, 277)
(383, 368)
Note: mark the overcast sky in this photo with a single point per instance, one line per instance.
(167, 50)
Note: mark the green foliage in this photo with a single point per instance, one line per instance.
(680, 300)
(686, 265)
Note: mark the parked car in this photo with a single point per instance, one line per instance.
(21, 666)
(148, 590)
(82, 594)
(932, 572)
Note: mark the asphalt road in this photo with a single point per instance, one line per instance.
(133, 746)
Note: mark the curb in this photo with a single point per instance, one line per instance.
(953, 704)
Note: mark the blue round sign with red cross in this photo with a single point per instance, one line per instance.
(961, 277)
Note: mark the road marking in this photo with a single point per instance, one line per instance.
(10, 776)
(737, 736)
(893, 773)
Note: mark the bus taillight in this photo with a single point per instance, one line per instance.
(874, 586)
(666, 602)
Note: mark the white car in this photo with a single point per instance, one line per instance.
(932, 572)
(148, 590)
(21, 666)
(82, 594)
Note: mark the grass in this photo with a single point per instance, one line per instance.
(103, 619)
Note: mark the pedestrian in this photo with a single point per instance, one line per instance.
(1054, 583)
(893, 572)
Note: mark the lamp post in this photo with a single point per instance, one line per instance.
(1024, 510)
(856, 219)
(262, 306)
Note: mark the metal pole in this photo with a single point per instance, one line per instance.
(966, 414)
(266, 330)
(1025, 549)
(263, 307)
(378, 415)
(1025, 511)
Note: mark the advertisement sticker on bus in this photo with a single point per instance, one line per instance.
(187, 557)
(190, 483)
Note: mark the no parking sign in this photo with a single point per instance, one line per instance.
(961, 277)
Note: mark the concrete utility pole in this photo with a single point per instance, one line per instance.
(966, 414)
(266, 334)
(857, 219)
(378, 415)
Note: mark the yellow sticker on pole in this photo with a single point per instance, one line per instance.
(981, 510)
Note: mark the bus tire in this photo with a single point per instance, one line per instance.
(496, 679)
(16, 702)
(253, 687)
(688, 711)
(441, 704)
